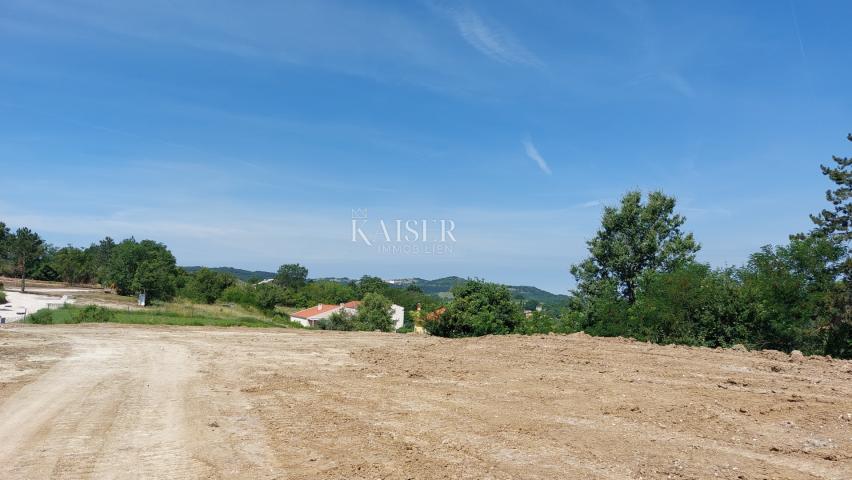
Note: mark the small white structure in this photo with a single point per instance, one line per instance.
(310, 316)
(398, 316)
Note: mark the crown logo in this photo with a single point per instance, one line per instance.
(359, 213)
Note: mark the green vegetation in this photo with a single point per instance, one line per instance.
(206, 286)
(142, 267)
(23, 248)
(374, 314)
(292, 276)
(641, 279)
(478, 308)
(91, 314)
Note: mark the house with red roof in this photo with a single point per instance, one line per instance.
(310, 316)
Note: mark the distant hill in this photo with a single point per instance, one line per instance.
(440, 286)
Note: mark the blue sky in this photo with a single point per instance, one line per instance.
(244, 133)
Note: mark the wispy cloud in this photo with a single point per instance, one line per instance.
(532, 153)
(490, 40)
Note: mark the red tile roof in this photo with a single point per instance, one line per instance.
(313, 311)
(353, 304)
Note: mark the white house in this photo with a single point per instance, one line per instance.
(310, 316)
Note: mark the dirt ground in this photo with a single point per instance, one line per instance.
(116, 401)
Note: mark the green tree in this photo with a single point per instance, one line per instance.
(478, 308)
(324, 291)
(835, 223)
(267, 297)
(368, 284)
(99, 255)
(25, 246)
(787, 290)
(142, 267)
(635, 237)
(5, 237)
(292, 275)
(375, 313)
(206, 286)
(692, 305)
(73, 265)
(155, 277)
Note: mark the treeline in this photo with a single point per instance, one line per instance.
(291, 288)
(641, 280)
(129, 267)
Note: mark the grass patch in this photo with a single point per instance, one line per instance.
(69, 314)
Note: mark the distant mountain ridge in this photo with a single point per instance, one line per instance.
(439, 286)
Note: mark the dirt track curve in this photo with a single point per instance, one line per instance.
(93, 401)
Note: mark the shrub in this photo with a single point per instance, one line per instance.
(337, 321)
(478, 308)
(93, 314)
(244, 295)
(539, 322)
(206, 286)
(374, 313)
(41, 317)
(2, 297)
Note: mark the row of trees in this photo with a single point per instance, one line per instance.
(642, 280)
(130, 267)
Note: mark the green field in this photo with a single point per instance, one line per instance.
(68, 315)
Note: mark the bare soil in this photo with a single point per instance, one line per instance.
(110, 401)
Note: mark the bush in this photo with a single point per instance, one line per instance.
(692, 305)
(540, 322)
(478, 308)
(41, 317)
(206, 286)
(2, 297)
(374, 313)
(244, 295)
(337, 321)
(93, 314)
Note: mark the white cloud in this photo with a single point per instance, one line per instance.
(490, 40)
(532, 153)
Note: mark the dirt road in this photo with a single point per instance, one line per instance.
(93, 401)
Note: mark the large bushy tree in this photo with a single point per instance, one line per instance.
(292, 275)
(25, 247)
(375, 313)
(787, 290)
(142, 267)
(369, 284)
(635, 237)
(99, 255)
(478, 308)
(72, 265)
